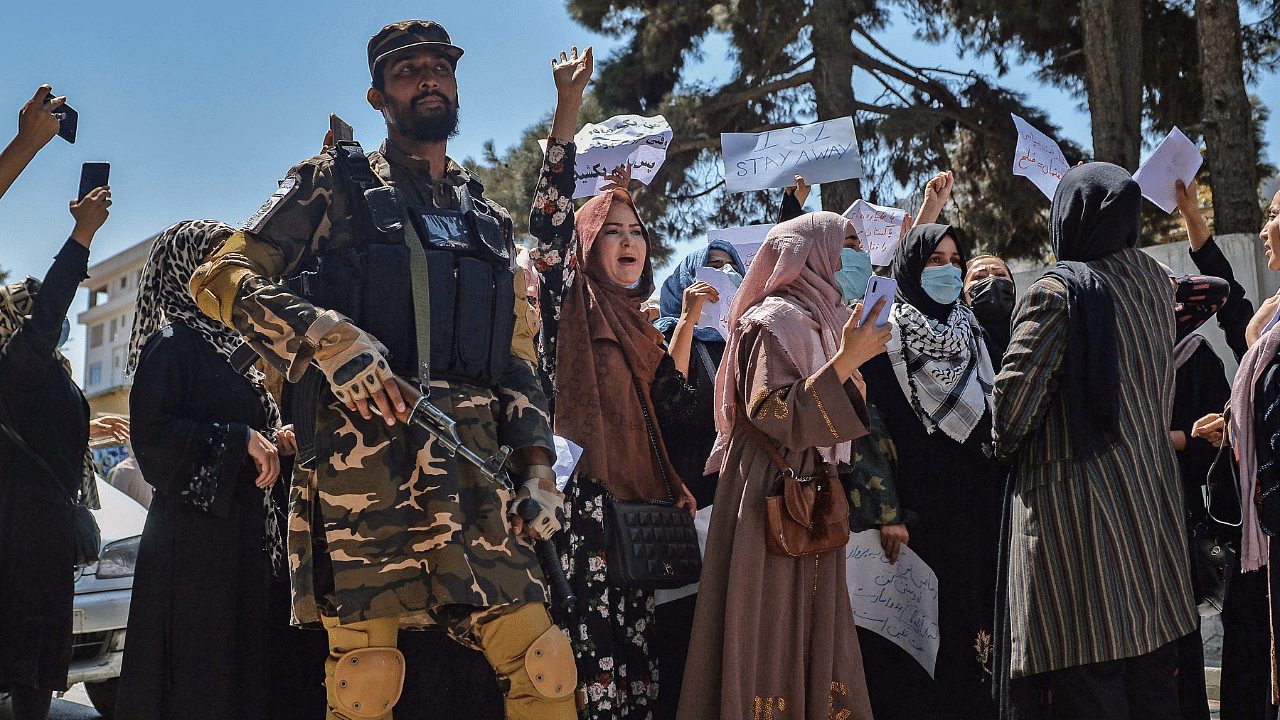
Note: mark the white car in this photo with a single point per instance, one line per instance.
(102, 600)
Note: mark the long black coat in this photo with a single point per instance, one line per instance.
(197, 644)
(37, 550)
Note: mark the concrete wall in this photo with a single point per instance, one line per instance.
(1244, 251)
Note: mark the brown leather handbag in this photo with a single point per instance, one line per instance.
(810, 515)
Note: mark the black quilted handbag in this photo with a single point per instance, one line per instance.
(651, 546)
(1215, 548)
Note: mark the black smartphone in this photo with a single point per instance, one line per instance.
(68, 120)
(93, 175)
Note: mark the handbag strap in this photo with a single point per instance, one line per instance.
(1208, 480)
(707, 364)
(653, 442)
(763, 441)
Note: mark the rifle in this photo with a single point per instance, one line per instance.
(421, 413)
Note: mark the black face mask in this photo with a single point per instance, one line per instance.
(992, 299)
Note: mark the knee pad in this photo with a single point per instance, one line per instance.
(367, 682)
(532, 654)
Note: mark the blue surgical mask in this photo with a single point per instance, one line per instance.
(942, 283)
(66, 332)
(732, 272)
(853, 275)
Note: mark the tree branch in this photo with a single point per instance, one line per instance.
(727, 101)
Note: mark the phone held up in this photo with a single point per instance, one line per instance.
(93, 175)
(68, 120)
(879, 287)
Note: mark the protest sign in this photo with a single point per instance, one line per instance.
(716, 314)
(879, 228)
(1177, 158)
(897, 601)
(1038, 158)
(822, 152)
(746, 240)
(701, 521)
(567, 455)
(640, 141)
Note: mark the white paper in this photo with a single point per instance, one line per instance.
(1038, 158)
(701, 521)
(716, 314)
(879, 228)
(822, 152)
(898, 601)
(567, 455)
(622, 139)
(746, 240)
(1177, 158)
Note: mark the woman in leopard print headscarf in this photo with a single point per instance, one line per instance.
(203, 433)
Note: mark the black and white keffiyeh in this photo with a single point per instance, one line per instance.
(164, 299)
(944, 368)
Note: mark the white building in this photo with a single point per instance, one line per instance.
(113, 292)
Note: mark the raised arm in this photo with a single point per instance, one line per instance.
(551, 215)
(1235, 313)
(37, 125)
(936, 194)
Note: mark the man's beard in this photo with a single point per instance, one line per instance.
(438, 126)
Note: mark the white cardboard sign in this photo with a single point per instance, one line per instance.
(879, 228)
(746, 240)
(620, 140)
(824, 151)
(897, 601)
(1177, 158)
(716, 314)
(1038, 158)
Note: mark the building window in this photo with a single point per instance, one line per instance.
(97, 296)
(124, 282)
(95, 372)
(95, 335)
(112, 334)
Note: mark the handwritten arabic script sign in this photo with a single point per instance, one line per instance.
(823, 152)
(620, 140)
(879, 229)
(746, 240)
(1038, 158)
(1177, 158)
(898, 601)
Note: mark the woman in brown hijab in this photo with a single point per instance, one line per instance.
(614, 386)
(775, 634)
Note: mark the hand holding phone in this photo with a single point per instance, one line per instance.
(879, 287)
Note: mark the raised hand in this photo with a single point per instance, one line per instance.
(801, 190)
(620, 178)
(572, 71)
(36, 122)
(90, 213)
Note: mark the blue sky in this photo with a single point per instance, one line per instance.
(200, 107)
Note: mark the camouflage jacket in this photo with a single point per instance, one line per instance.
(398, 527)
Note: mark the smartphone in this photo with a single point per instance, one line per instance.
(68, 119)
(341, 130)
(93, 175)
(879, 287)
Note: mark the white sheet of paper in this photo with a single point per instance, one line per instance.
(898, 601)
(747, 239)
(1176, 158)
(567, 455)
(879, 228)
(1038, 158)
(716, 314)
(701, 521)
(824, 151)
(621, 139)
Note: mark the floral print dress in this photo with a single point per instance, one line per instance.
(610, 628)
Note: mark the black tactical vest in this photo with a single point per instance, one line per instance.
(472, 288)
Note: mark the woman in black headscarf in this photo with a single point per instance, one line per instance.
(933, 389)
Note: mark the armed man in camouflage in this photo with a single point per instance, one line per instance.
(359, 269)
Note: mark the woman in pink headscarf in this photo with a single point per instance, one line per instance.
(771, 633)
